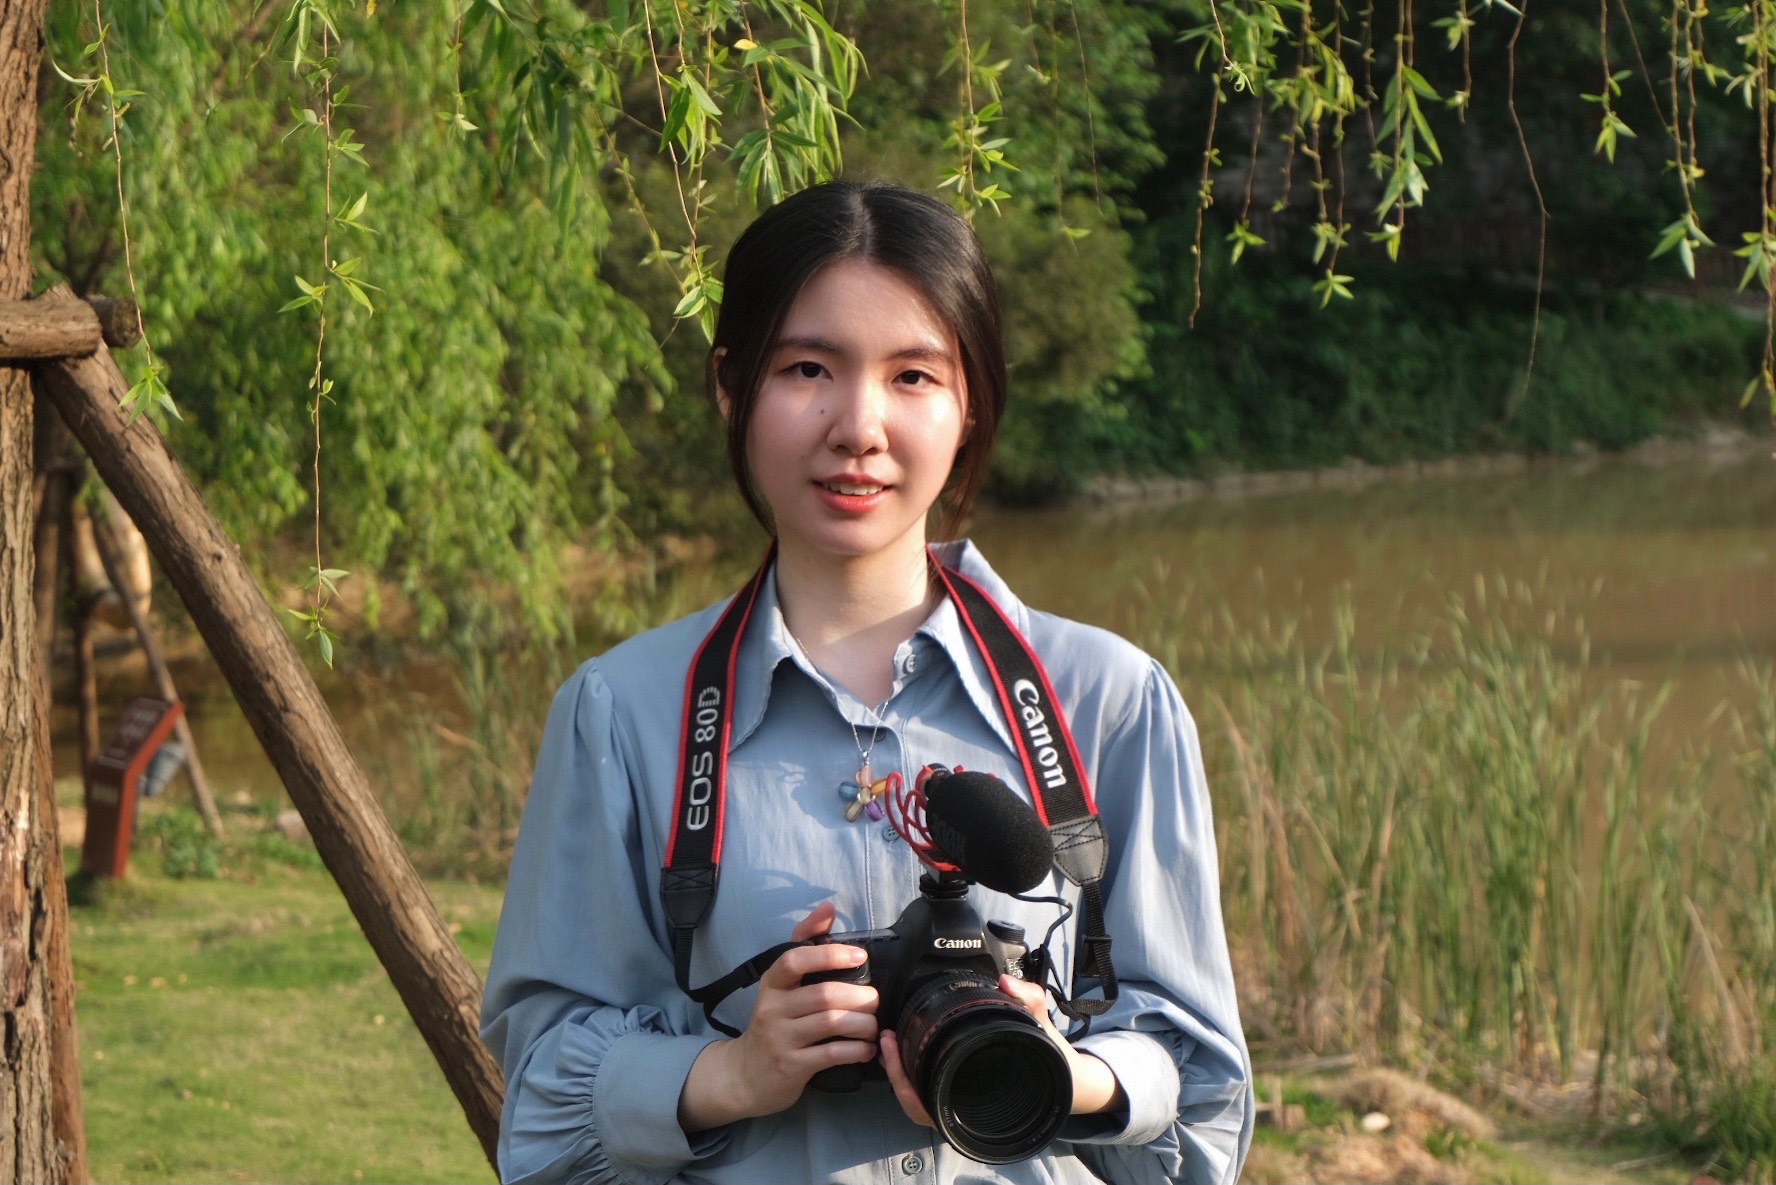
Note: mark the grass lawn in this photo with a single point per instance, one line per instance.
(241, 1029)
(238, 1028)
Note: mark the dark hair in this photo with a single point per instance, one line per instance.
(911, 233)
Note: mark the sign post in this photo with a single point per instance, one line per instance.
(111, 783)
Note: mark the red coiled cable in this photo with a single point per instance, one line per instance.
(906, 814)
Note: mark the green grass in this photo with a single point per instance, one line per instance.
(241, 1029)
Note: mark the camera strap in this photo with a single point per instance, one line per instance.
(1058, 787)
(1052, 770)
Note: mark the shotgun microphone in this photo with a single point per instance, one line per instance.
(980, 825)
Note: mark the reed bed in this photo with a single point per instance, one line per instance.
(1466, 853)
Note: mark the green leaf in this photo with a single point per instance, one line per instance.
(676, 115)
(1332, 284)
(358, 294)
(1424, 128)
(690, 304)
(67, 77)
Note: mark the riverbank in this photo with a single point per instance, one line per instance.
(1714, 440)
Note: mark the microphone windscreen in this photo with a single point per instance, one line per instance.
(980, 825)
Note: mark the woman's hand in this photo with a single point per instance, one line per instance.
(1095, 1087)
(795, 1032)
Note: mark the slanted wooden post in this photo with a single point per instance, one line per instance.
(105, 539)
(293, 723)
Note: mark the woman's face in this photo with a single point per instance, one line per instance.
(860, 414)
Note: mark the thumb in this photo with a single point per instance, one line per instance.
(1031, 995)
(818, 922)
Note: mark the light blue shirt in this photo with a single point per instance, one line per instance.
(595, 1036)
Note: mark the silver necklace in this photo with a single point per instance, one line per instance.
(863, 793)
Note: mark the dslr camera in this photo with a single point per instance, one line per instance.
(997, 1084)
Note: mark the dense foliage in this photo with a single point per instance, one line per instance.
(532, 198)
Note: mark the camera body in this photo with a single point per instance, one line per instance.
(995, 1081)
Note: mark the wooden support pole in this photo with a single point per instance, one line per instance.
(35, 329)
(284, 707)
(111, 555)
(86, 674)
(51, 523)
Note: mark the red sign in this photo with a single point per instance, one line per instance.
(111, 783)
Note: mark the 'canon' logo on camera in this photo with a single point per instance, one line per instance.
(957, 943)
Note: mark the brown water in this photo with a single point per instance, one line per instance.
(1671, 567)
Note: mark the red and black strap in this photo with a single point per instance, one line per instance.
(1052, 770)
(1058, 786)
(693, 850)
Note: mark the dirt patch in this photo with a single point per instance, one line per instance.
(1412, 1104)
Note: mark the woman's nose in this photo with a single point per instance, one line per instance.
(859, 423)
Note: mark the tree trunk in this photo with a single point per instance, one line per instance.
(39, 1133)
(293, 723)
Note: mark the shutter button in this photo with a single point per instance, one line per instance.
(911, 1164)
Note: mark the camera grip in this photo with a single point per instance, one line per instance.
(840, 1079)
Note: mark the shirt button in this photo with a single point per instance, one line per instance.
(912, 663)
(889, 834)
(911, 1164)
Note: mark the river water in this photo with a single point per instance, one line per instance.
(1670, 564)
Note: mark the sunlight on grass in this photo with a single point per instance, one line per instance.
(241, 1029)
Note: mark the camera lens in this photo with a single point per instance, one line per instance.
(995, 1082)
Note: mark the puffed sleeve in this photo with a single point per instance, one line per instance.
(581, 1006)
(1173, 1037)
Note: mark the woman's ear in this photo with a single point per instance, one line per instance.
(722, 403)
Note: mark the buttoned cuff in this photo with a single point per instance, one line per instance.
(1149, 1080)
(635, 1106)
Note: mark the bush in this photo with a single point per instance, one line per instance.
(186, 847)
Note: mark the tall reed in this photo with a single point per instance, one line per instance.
(1464, 850)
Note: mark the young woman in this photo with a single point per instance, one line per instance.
(859, 367)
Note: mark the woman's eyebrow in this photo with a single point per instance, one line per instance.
(806, 342)
(919, 352)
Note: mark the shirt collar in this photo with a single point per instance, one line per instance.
(768, 644)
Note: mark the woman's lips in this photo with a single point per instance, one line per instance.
(850, 497)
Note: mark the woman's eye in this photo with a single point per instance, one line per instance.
(808, 370)
(915, 377)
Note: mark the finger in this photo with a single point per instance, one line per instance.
(904, 1094)
(833, 1025)
(818, 922)
(787, 972)
(837, 1053)
(831, 995)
